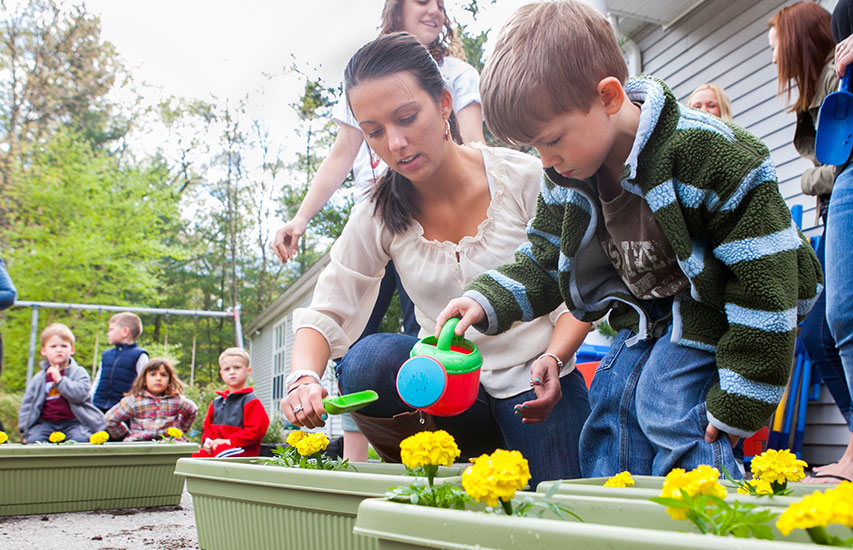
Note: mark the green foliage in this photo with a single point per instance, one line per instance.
(10, 403)
(536, 507)
(275, 431)
(713, 515)
(201, 396)
(424, 492)
(288, 457)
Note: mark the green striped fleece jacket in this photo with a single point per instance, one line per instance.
(712, 188)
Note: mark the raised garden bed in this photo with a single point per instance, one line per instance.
(43, 479)
(278, 508)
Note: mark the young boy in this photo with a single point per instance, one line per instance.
(236, 420)
(57, 398)
(121, 364)
(666, 218)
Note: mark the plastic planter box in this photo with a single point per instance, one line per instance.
(280, 508)
(403, 526)
(647, 487)
(46, 478)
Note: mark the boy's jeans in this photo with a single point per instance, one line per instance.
(648, 411)
(839, 276)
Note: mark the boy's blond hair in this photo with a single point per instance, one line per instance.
(548, 60)
(235, 352)
(128, 320)
(57, 329)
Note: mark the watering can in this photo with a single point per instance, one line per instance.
(441, 376)
(834, 138)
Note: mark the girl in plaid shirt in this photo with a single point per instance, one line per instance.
(153, 405)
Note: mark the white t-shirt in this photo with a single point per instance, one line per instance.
(460, 78)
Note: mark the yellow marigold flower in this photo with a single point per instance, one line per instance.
(703, 480)
(814, 510)
(294, 437)
(622, 479)
(3, 437)
(775, 466)
(312, 443)
(429, 449)
(761, 487)
(98, 438)
(56, 437)
(174, 432)
(841, 499)
(496, 477)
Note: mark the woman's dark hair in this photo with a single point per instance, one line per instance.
(392, 21)
(804, 36)
(393, 194)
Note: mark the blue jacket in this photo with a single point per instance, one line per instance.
(7, 288)
(118, 371)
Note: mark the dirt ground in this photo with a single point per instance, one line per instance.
(160, 528)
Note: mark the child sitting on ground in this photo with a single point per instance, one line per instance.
(57, 398)
(152, 406)
(122, 364)
(236, 420)
(666, 218)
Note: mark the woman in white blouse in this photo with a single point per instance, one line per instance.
(444, 213)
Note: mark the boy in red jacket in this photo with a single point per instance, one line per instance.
(236, 420)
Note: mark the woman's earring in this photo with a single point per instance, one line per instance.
(374, 159)
(446, 130)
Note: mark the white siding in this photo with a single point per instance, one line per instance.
(261, 344)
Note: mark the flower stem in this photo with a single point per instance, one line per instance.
(507, 506)
(431, 470)
(819, 535)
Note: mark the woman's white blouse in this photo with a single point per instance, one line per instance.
(433, 273)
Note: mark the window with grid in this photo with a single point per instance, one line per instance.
(280, 353)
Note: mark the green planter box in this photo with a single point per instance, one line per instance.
(280, 508)
(647, 487)
(44, 479)
(608, 524)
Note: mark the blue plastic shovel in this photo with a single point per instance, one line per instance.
(834, 139)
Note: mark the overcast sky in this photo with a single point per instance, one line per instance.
(227, 49)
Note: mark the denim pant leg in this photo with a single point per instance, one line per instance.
(839, 272)
(611, 440)
(820, 345)
(671, 409)
(40, 431)
(550, 447)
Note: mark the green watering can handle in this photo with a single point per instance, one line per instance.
(446, 336)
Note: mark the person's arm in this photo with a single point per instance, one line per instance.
(28, 402)
(141, 362)
(117, 417)
(329, 177)
(310, 352)
(8, 293)
(470, 120)
(206, 431)
(843, 56)
(255, 424)
(569, 334)
(75, 388)
(187, 411)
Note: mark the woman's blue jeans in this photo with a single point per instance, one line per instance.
(648, 410)
(839, 275)
(820, 344)
(551, 447)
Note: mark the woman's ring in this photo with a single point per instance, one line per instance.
(297, 408)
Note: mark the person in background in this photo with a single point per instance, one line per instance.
(153, 405)
(122, 364)
(712, 99)
(803, 47)
(57, 397)
(427, 21)
(236, 421)
(7, 298)
(839, 264)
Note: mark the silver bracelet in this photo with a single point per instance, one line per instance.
(557, 359)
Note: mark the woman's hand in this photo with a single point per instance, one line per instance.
(545, 379)
(287, 238)
(843, 55)
(304, 405)
(469, 310)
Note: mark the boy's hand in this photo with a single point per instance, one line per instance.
(304, 405)
(54, 373)
(207, 445)
(469, 311)
(545, 379)
(712, 433)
